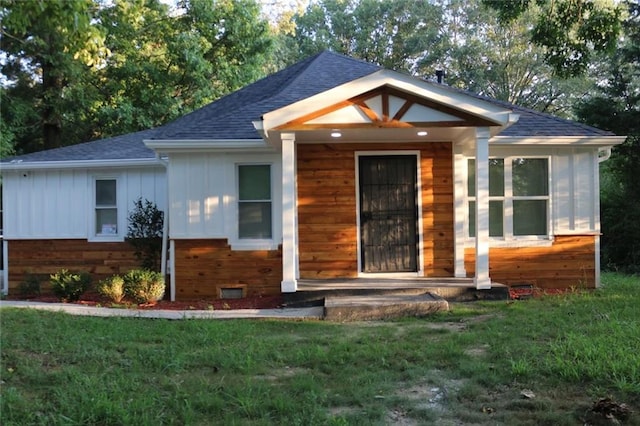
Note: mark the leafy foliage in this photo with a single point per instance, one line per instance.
(30, 286)
(144, 286)
(392, 34)
(88, 69)
(69, 286)
(569, 30)
(144, 233)
(112, 288)
(616, 107)
(477, 50)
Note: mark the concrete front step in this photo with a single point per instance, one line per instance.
(307, 298)
(376, 307)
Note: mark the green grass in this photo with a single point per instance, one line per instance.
(467, 366)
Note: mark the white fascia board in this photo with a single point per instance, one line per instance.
(595, 141)
(80, 164)
(187, 145)
(434, 92)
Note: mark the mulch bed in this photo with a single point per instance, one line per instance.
(94, 299)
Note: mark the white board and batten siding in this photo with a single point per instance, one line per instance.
(60, 203)
(203, 188)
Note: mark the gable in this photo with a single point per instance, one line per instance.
(387, 99)
(385, 107)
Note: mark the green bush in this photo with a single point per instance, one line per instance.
(112, 288)
(145, 233)
(69, 286)
(144, 286)
(30, 286)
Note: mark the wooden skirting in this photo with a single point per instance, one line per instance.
(568, 262)
(327, 207)
(42, 258)
(204, 267)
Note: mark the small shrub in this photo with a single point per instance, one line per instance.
(112, 288)
(145, 233)
(30, 287)
(69, 286)
(144, 286)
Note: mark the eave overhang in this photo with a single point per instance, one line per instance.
(207, 145)
(558, 141)
(20, 165)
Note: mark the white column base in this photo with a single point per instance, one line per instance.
(290, 286)
(482, 283)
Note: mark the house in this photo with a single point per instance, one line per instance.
(333, 168)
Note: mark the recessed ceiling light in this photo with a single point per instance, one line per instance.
(422, 133)
(336, 134)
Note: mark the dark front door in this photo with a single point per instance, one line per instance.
(388, 213)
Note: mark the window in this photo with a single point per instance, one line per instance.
(254, 202)
(518, 197)
(496, 197)
(530, 196)
(106, 207)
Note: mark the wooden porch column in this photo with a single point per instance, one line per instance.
(460, 210)
(482, 280)
(289, 282)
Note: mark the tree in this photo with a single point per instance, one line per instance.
(394, 34)
(495, 59)
(465, 39)
(144, 233)
(47, 46)
(153, 65)
(569, 30)
(616, 107)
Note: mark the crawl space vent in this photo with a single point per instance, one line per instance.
(231, 293)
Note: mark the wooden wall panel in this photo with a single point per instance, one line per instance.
(568, 262)
(202, 267)
(45, 257)
(327, 207)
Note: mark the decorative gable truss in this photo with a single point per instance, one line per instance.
(384, 107)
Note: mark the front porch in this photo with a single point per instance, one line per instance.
(361, 299)
(312, 292)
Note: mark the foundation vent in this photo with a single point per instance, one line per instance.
(231, 293)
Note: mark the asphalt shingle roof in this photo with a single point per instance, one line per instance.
(231, 116)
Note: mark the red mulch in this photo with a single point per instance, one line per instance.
(93, 299)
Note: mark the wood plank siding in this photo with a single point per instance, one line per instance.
(203, 267)
(568, 262)
(44, 257)
(327, 214)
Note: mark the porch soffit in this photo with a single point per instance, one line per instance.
(384, 107)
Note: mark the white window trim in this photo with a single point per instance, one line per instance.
(248, 244)
(120, 212)
(508, 239)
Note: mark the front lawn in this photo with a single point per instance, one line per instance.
(540, 361)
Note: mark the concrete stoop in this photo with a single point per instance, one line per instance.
(377, 307)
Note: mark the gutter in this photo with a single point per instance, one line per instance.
(604, 154)
(207, 145)
(78, 164)
(593, 141)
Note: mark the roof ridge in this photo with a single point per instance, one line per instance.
(244, 89)
(314, 58)
(309, 61)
